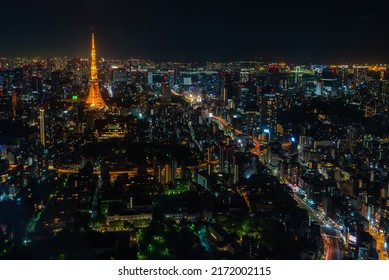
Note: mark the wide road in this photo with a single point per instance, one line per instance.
(225, 124)
(176, 93)
(331, 241)
(380, 239)
(256, 150)
(329, 234)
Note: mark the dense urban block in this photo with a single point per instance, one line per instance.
(138, 159)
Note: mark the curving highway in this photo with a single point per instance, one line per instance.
(256, 150)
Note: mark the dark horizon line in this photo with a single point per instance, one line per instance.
(322, 61)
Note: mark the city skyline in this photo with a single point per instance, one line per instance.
(201, 31)
(141, 159)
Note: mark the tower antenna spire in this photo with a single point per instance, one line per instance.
(94, 99)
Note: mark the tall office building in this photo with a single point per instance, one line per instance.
(329, 80)
(248, 97)
(150, 78)
(14, 99)
(227, 87)
(37, 84)
(94, 100)
(165, 90)
(225, 157)
(56, 83)
(249, 109)
(360, 75)
(5, 106)
(268, 110)
(383, 93)
(42, 132)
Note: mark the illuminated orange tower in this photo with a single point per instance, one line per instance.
(94, 100)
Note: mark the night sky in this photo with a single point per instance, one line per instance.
(291, 31)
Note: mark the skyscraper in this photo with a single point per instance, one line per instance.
(42, 132)
(227, 86)
(94, 100)
(268, 110)
(5, 106)
(249, 108)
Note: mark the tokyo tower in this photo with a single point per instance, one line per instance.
(94, 100)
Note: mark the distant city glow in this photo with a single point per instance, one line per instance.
(192, 160)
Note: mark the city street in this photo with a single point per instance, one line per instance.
(380, 243)
(330, 235)
(331, 239)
